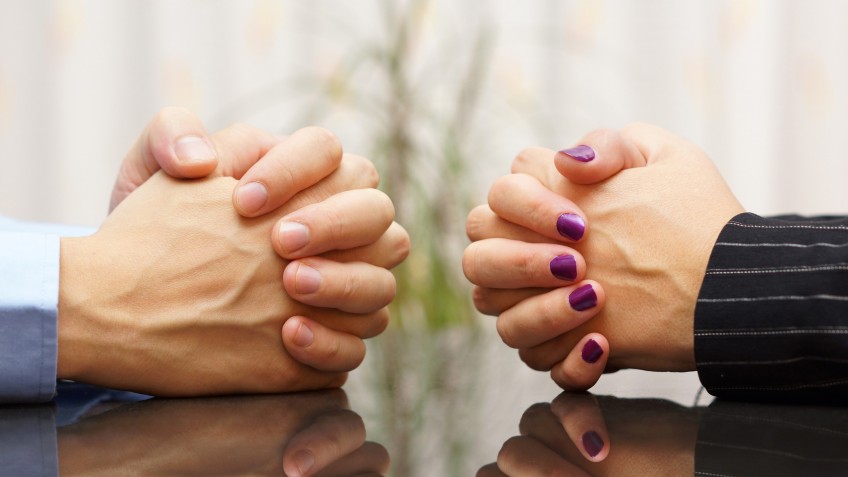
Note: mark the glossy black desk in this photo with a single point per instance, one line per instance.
(88, 431)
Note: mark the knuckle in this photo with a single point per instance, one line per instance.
(510, 447)
(280, 379)
(390, 288)
(402, 244)
(378, 205)
(379, 322)
(475, 223)
(469, 262)
(362, 169)
(334, 222)
(636, 126)
(532, 360)
(330, 145)
(523, 158)
(285, 177)
(330, 443)
(279, 176)
(332, 352)
(505, 331)
(351, 290)
(369, 172)
(548, 315)
(359, 356)
(387, 207)
(499, 188)
(567, 377)
(524, 265)
(480, 298)
(508, 188)
(336, 380)
(243, 129)
(600, 137)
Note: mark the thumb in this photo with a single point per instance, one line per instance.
(654, 142)
(174, 141)
(598, 156)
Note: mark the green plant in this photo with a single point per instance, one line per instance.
(418, 113)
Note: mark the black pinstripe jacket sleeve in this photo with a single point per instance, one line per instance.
(772, 315)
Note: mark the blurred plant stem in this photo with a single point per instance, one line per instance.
(427, 357)
(417, 108)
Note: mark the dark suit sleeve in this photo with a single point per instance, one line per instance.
(772, 315)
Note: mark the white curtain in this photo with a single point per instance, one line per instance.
(761, 85)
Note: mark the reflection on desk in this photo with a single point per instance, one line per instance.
(579, 434)
(255, 435)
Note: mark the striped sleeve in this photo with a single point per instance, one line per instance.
(772, 315)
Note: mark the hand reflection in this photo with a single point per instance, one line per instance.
(580, 434)
(300, 434)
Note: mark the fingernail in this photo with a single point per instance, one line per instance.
(564, 267)
(193, 149)
(592, 352)
(580, 153)
(304, 461)
(303, 336)
(293, 236)
(593, 443)
(583, 298)
(251, 197)
(571, 226)
(306, 279)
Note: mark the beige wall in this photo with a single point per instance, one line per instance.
(762, 85)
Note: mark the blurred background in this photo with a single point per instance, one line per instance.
(441, 94)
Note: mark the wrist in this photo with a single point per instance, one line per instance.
(71, 316)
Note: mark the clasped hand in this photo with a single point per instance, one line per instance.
(264, 274)
(592, 257)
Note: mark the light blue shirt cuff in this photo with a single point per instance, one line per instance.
(29, 293)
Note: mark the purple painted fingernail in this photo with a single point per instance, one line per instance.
(571, 226)
(592, 352)
(583, 298)
(564, 267)
(580, 153)
(593, 443)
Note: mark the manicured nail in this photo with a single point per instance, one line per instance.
(593, 443)
(564, 267)
(193, 149)
(293, 236)
(583, 298)
(303, 336)
(306, 279)
(571, 226)
(251, 197)
(580, 153)
(304, 460)
(592, 352)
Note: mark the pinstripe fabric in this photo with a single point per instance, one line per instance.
(772, 316)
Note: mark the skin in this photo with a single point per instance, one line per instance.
(352, 242)
(654, 205)
(640, 436)
(257, 435)
(193, 304)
